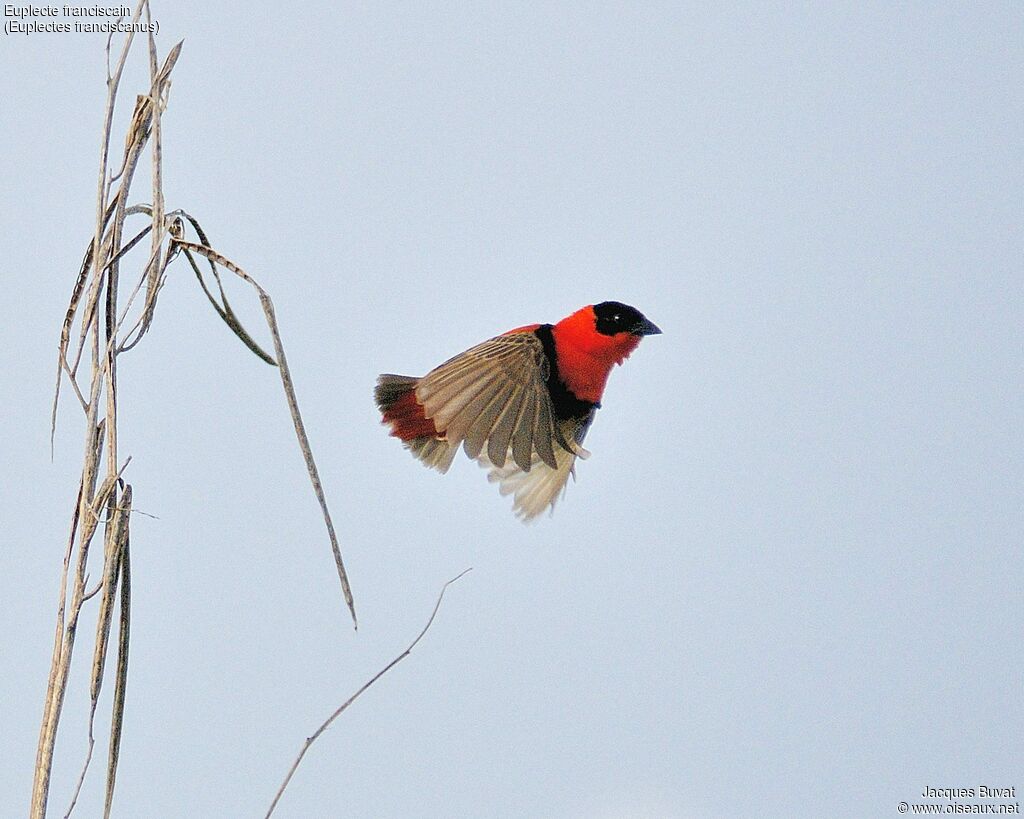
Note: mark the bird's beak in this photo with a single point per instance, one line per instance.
(647, 328)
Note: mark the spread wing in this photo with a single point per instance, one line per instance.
(493, 400)
(495, 396)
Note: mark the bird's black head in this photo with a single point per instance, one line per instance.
(613, 317)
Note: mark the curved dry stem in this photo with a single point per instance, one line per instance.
(293, 406)
(341, 708)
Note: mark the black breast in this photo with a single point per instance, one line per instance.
(564, 401)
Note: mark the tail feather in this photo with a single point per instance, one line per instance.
(390, 388)
(396, 399)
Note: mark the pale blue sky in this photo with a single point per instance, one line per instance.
(789, 580)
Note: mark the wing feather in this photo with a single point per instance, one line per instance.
(544, 433)
(447, 416)
(539, 487)
(483, 426)
(533, 490)
(494, 395)
(522, 436)
(498, 442)
(434, 398)
(458, 425)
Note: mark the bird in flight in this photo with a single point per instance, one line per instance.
(520, 403)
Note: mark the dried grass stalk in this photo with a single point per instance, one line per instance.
(96, 308)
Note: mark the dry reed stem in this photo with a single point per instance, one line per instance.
(103, 380)
(94, 305)
(88, 502)
(341, 708)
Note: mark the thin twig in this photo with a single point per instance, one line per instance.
(341, 708)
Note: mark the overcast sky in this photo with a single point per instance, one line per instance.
(789, 580)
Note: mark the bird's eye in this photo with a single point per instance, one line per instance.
(617, 318)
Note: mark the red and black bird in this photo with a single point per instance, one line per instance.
(520, 403)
